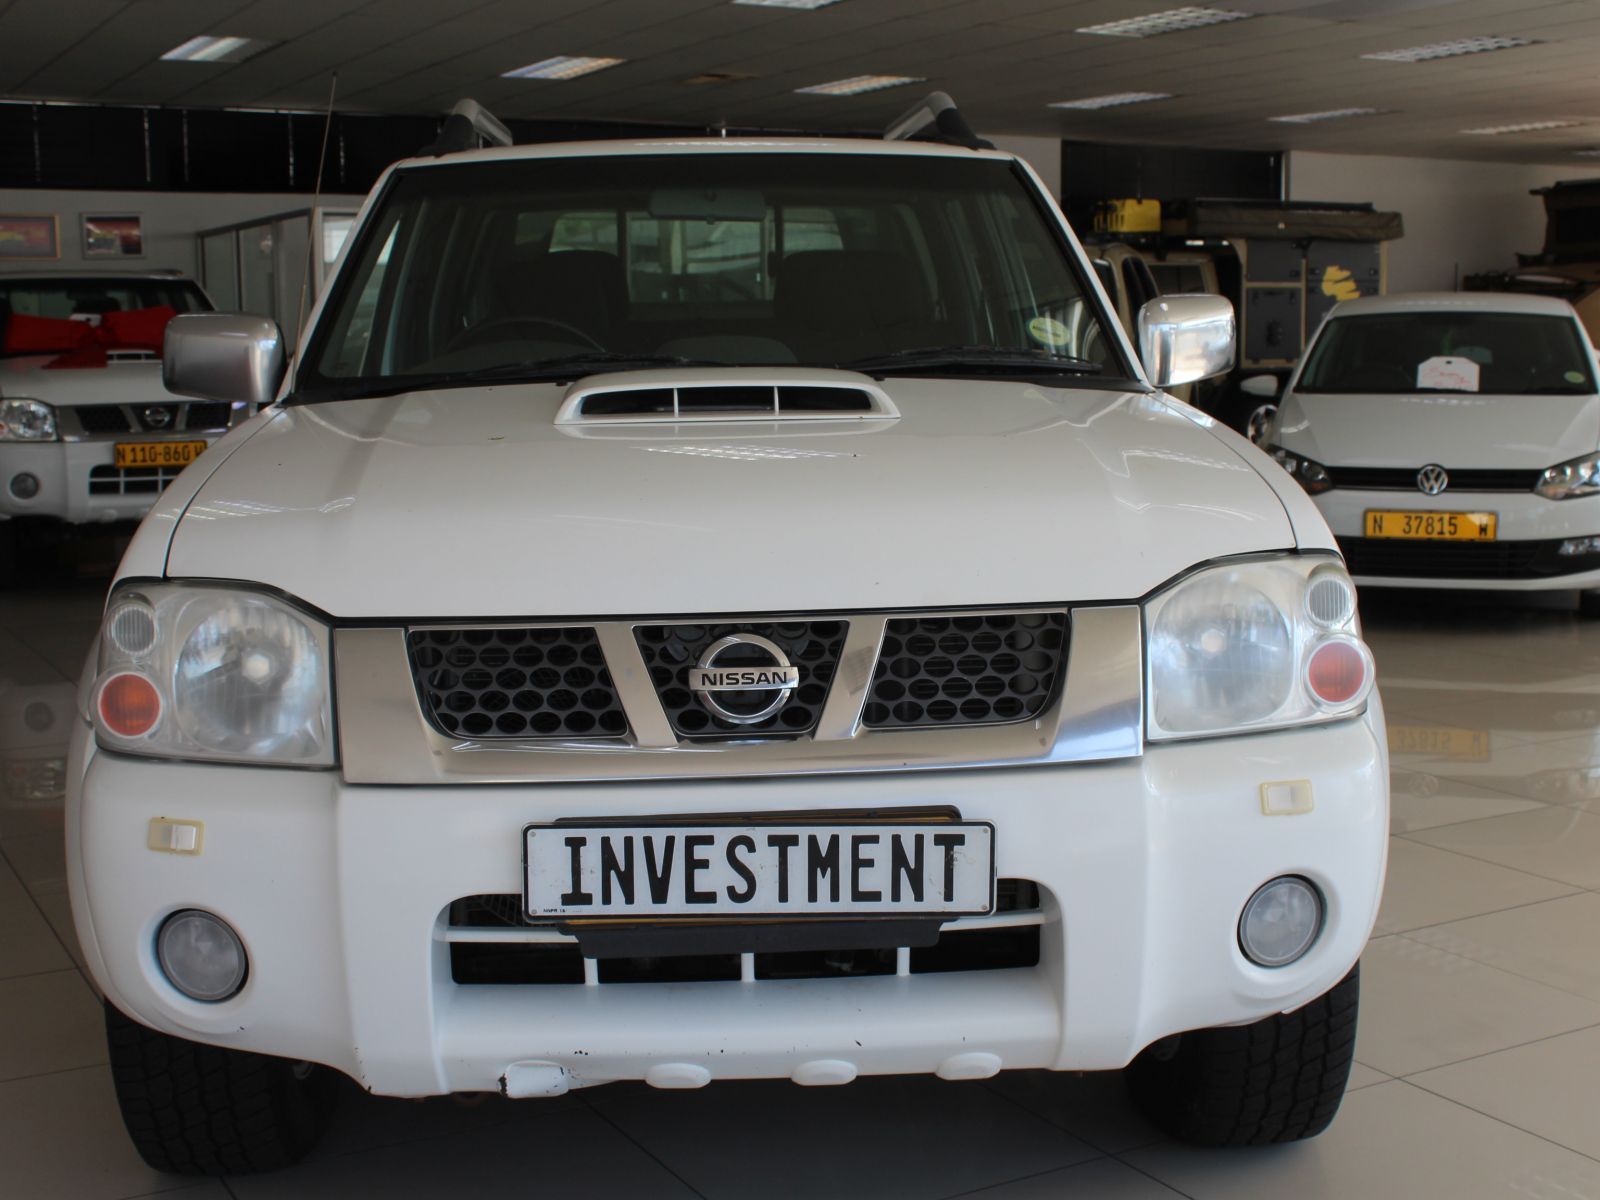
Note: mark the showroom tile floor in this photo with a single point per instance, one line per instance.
(1479, 1046)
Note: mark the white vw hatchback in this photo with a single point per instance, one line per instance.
(702, 610)
(1452, 440)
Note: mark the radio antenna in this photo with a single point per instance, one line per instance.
(312, 248)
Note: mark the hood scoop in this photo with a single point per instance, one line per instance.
(649, 399)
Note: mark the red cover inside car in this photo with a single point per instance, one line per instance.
(81, 344)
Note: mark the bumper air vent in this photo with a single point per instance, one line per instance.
(670, 651)
(740, 394)
(981, 669)
(515, 683)
(1404, 559)
(106, 480)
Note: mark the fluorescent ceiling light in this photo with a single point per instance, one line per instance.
(216, 49)
(1333, 114)
(563, 66)
(808, 5)
(1171, 21)
(1524, 127)
(1114, 100)
(857, 84)
(1469, 45)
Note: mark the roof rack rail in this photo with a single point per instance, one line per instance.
(467, 126)
(935, 118)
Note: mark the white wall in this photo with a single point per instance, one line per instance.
(1460, 217)
(1043, 154)
(171, 219)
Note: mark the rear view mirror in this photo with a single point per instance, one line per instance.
(1183, 339)
(707, 204)
(1262, 386)
(223, 356)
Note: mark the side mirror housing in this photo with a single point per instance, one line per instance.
(223, 356)
(1183, 339)
(1264, 387)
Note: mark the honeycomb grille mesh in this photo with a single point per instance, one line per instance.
(670, 650)
(965, 670)
(504, 683)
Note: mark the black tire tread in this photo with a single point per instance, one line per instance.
(193, 1109)
(1278, 1080)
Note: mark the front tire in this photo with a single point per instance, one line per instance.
(1278, 1080)
(193, 1109)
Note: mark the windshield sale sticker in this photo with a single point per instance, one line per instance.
(1448, 374)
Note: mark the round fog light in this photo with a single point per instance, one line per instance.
(201, 955)
(24, 486)
(1281, 921)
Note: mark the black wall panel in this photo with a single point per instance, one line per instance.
(1095, 171)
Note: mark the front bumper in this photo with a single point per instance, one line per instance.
(339, 891)
(1523, 557)
(63, 470)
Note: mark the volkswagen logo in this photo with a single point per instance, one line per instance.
(1432, 479)
(743, 678)
(156, 416)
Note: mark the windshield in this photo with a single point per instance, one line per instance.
(1502, 354)
(79, 298)
(738, 259)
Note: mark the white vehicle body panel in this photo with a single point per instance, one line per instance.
(1015, 494)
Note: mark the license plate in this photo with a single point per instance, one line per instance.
(157, 454)
(1440, 741)
(758, 870)
(1431, 526)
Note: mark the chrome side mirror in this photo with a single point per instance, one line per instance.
(223, 356)
(1183, 339)
(1264, 387)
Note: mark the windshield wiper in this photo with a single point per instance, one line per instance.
(985, 358)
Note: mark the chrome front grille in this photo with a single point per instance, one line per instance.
(520, 682)
(107, 420)
(670, 651)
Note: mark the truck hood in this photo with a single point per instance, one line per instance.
(1453, 429)
(474, 503)
(126, 382)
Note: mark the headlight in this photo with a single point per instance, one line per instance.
(1580, 477)
(27, 421)
(1255, 644)
(213, 673)
(1309, 475)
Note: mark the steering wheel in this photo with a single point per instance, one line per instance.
(486, 331)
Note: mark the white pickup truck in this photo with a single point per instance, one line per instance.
(717, 609)
(87, 431)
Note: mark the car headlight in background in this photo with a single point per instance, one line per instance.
(27, 421)
(1254, 644)
(1309, 475)
(213, 673)
(1580, 477)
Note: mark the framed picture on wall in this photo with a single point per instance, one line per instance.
(113, 236)
(31, 236)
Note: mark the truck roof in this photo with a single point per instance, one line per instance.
(1503, 302)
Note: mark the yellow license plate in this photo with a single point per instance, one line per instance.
(157, 454)
(1431, 526)
(1440, 740)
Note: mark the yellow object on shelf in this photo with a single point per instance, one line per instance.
(1128, 216)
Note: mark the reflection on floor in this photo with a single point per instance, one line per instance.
(1479, 1047)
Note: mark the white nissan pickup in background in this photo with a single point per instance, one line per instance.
(88, 433)
(718, 609)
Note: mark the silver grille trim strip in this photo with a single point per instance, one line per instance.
(385, 739)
